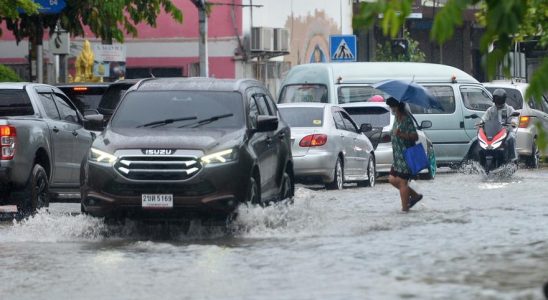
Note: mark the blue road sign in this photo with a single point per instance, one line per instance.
(342, 48)
(51, 6)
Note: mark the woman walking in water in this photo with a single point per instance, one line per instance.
(404, 135)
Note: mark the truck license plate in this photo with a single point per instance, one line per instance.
(157, 200)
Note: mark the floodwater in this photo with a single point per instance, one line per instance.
(472, 237)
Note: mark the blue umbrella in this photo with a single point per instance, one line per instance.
(409, 92)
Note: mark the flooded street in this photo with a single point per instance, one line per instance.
(471, 237)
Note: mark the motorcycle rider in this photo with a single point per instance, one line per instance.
(502, 112)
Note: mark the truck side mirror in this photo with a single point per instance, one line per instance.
(94, 122)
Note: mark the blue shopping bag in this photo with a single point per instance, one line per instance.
(416, 159)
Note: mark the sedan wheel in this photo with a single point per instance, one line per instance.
(534, 160)
(371, 174)
(338, 181)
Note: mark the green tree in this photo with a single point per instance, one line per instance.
(9, 8)
(8, 74)
(505, 21)
(386, 52)
(108, 20)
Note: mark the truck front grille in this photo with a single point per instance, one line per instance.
(157, 167)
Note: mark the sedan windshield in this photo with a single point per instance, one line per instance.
(179, 109)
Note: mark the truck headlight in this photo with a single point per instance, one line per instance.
(99, 156)
(219, 157)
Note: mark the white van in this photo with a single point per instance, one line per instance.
(461, 96)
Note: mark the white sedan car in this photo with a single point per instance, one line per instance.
(381, 119)
(327, 145)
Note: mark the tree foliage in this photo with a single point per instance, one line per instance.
(385, 51)
(9, 9)
(505, 22)
(8, 74)
(108, 20)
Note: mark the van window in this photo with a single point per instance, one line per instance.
(444, 95)
(304, 93)
(475, 98)
(349, 94)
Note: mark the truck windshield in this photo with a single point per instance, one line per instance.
(15, 103)
(180, 109)
(304, 93)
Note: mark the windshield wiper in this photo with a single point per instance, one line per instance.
(166, 121)
(207, 121)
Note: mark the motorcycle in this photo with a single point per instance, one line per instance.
(493, 151)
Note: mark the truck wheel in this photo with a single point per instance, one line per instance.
(36, 194)
(287, 188)
(253, 192)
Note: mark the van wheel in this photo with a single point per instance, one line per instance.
(338, 181)
(36, 193)
(533, 161)
(371, 174)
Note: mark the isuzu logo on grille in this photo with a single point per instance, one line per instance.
(158, 151)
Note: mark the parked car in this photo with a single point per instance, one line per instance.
(113, 95)
(531, 112)
(382, 120)
(43, 143)
(461, 96)
(327, 145)
(180, 146)
(86, 96)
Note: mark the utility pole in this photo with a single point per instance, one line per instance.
(202, 20)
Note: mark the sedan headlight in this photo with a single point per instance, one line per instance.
(219, 157)
(99, 156)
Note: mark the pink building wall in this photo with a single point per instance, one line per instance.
(222, 26)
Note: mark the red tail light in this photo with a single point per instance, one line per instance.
(313, 140)
(7, 141)
(386, 138)
(79, 88)
(524, 121)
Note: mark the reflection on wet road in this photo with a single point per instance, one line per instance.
(472, 237)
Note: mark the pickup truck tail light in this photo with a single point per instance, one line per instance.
(313, 140)
(524, 121)
(7, 141)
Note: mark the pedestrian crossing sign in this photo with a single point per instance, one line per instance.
(342, 48)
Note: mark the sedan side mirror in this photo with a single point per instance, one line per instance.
(94, 122)
(366, 127)
(426, 124)
(267, 123)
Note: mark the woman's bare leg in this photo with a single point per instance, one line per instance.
(401, 185)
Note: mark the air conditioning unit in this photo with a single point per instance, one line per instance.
(281, 39)
(262, 39)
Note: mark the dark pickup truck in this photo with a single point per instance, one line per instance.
(42, 144)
